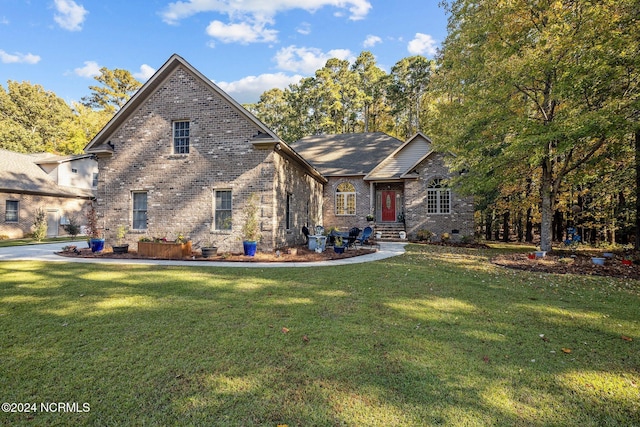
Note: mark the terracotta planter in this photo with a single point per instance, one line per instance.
(531, 256)
(164, 250)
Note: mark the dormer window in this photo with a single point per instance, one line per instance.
(181, 137)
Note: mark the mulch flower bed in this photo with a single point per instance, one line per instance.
(569, 264)
(303, 255)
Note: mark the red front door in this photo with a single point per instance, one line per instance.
(389, 206)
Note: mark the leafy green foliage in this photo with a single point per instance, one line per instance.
(117, 86)
(39, 225)
(523, 88)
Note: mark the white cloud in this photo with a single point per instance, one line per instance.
(259, 9)
(422, 44)
(307, 59)
(70, 15)
(18, 58)
(145, 72)
(249, 89)
(90, 69)
(243, 32)
(371, 41)
(304, 28)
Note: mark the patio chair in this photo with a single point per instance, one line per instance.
(364, 237)
(353, 236)
(305, 231)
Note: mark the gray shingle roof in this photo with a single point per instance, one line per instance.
(346, 154)
(19, 173)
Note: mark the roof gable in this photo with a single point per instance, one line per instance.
(100, 143)
(397, 164)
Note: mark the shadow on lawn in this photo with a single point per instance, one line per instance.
(433, 337)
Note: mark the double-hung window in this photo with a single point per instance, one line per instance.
(222, 210)
(181, 137)
(11, 211)
(345, 199)
(438, 197)
(140, 210)
(288, 216)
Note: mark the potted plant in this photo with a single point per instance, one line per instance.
(96, 242)
(338, 245)
(251, 226)
(371, 218)
(121, 247)
(210, 250)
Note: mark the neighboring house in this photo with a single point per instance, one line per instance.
(403, 185)
(183, 157)
(61, 186)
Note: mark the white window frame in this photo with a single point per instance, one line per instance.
(17, 211)
(345, 199)
(135, 210)
(224, 226)
(438, 197)
(181, 131)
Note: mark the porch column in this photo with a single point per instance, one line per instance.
(372, 197)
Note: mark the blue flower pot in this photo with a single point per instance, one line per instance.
(96, 245)
(250, 248)
(338, 249)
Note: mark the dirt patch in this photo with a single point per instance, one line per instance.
(569, 264)
(302, 254)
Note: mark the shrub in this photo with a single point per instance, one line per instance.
(424, 234)
(40, 225)
(73, 228)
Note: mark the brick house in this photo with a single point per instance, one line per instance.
(62, 186)
(183, 157)
(401, 184)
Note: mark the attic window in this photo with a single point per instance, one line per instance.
(181, 137)
(74, 170)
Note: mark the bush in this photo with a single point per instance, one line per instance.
(73, 228)
(40, 225)
(424, 234)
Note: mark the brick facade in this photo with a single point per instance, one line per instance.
(417, 218)
(28, 204)
(363, 200)
(180, 187)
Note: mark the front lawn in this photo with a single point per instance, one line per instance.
(437, 336)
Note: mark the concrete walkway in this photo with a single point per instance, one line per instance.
(46, 252)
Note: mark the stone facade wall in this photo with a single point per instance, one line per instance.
(416, 217)
(346, 222)
(305, 202)
(28, 205)
(180, 187)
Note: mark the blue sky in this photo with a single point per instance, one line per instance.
(244, 46)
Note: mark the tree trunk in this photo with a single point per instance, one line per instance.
(529, 231)
(558, 226)
(547, 196)
(505, 226)
(637, 142)
(488, 221)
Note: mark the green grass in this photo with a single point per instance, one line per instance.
(30, 241)
(438, 336)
